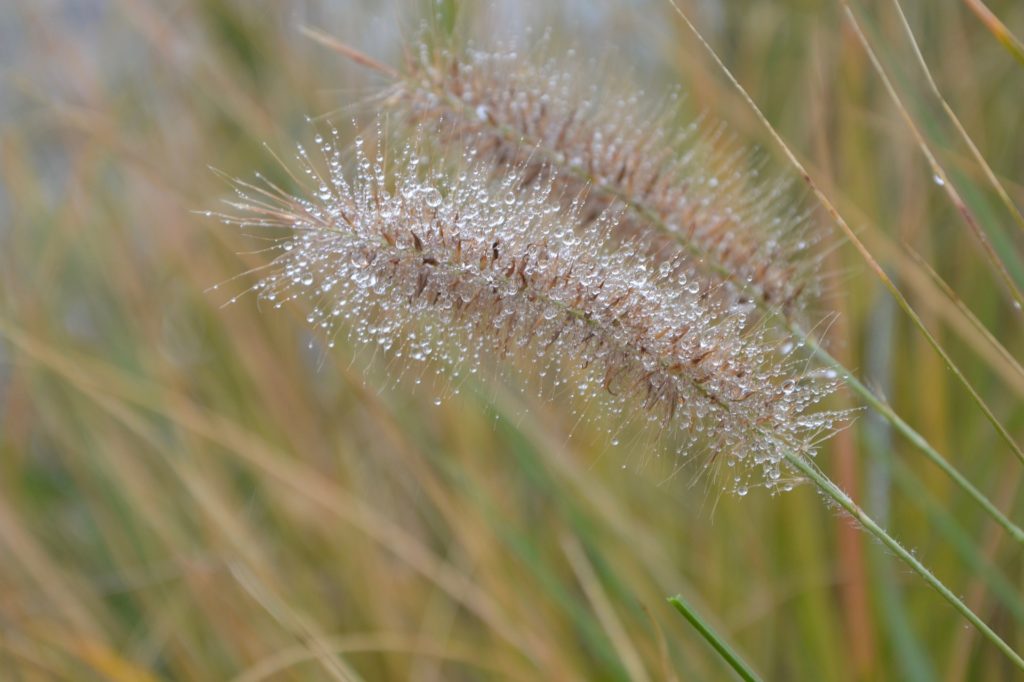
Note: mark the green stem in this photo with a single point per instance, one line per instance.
(913, 436)
(826, 486)
(719, 645)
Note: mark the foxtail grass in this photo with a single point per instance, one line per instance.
(424, 264)
(464, 266)
(679, 192)
(536, 127)
(190, 493)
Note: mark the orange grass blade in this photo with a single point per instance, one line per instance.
(998, 29)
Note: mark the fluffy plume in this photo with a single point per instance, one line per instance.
(467, 266)
(682, 185)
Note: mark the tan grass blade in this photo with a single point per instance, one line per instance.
(611, 623)
(99, 380)
(278, 662)
(998, 29)
(943, 178)
(1004, 362)
(347, 51)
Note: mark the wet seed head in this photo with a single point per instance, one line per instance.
(468, 267)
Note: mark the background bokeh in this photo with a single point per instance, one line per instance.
(190, 492)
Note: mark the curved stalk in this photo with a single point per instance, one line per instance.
(836, 494)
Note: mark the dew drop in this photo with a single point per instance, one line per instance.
(432, 197)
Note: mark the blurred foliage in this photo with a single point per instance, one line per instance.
(192, 493)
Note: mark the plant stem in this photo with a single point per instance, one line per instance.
(834, 492)
(719, 645)
(913, 436)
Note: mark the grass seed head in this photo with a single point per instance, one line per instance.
(464, 266)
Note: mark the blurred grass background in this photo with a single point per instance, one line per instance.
(192, 493)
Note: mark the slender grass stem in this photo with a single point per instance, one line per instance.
(716, 642)
(914, 437)
(835, 493)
